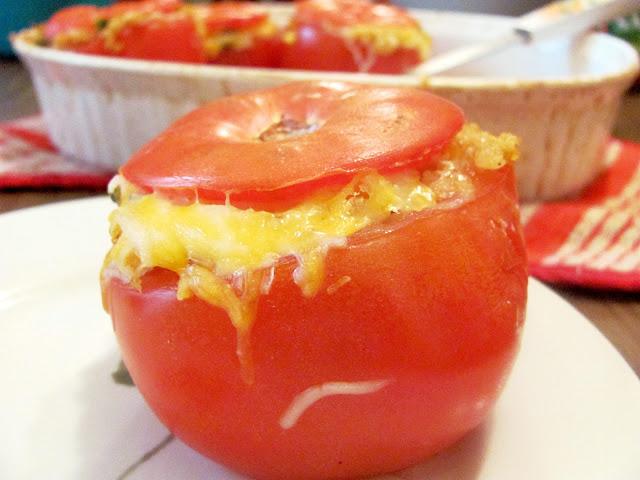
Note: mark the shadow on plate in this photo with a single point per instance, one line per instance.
(461, 461)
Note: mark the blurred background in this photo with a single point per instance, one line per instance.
(17, 14)
(501, 7)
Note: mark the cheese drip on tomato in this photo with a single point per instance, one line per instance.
(366, 42)
(226, 256)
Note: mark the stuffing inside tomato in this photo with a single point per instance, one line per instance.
(238, 33)
(321, 280)
(353, 35)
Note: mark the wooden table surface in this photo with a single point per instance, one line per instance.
(617, 315)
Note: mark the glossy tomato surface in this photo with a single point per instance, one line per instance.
(261, 53)
(317, 42)
(170, 39)
(81, 21)
(81, 17)
(433, 309)
(155, 30)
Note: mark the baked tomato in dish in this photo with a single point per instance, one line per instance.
(353, 36)
(297, 296)
(238, 33)
(268, 146)
(171, 37)
(152, 30)
(74, 28)
(78, 18)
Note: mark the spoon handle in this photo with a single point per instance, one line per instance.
(571, 16)
(557, 18)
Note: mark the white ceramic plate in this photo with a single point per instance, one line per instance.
(571, 409)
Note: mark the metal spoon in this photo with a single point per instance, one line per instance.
(563, 17)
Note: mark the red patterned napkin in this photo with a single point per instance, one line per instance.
(592, 241)
(28, 159)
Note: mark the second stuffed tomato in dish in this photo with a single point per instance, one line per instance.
(353, 36)
(239, 33)
(321, 280)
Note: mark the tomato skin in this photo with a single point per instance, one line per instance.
(173, 40)
(315, 49)
(79, 17)
(169, 38)
(262, 53)
(435, 305)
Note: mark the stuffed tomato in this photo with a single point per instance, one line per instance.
(238, 33)
(353, 36)
(320, 280)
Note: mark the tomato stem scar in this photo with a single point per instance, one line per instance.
(287, 128)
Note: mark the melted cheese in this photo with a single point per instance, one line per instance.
(486, 151)
(116, 24)
(386, 39)
(71, 39)
(226, 256)
(237, 39)
(150, 231)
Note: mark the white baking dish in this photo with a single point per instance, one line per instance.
(560, 96)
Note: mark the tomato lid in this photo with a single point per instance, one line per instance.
(79, 17)
(340, 13)
(283, 142)
(161, 6)
(232, 16)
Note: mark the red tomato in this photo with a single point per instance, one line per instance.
(319, 45)
(349, 128)
(262, 53)
(80, 17)
(171, 38)
(428, 324)
(165, 6)
(239, 17)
